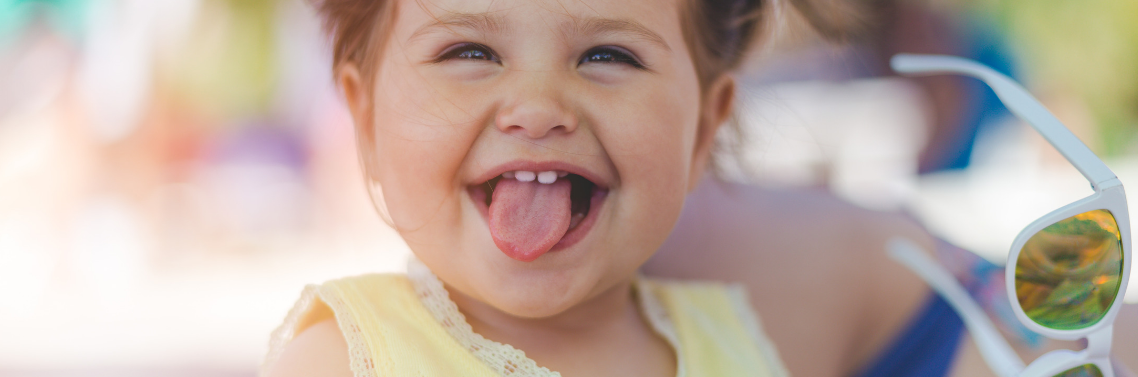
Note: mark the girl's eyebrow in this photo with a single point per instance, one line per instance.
(489, 23)
(481, 23)
(599, 26)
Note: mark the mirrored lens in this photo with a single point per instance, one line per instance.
(1086, 370)
(1068, 274)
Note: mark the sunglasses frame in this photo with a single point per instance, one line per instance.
(1109, 195)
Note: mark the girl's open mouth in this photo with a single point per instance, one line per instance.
(530, 213)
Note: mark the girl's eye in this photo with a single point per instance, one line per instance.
(610, 54)
(469, 51)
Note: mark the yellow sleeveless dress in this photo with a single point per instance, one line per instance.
(406, 325)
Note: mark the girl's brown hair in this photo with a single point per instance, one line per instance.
(718, 32)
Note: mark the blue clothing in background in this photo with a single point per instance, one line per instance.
(927, 346)
(982, 109)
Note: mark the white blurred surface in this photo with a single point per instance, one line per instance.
(859, 138)
(211, 309)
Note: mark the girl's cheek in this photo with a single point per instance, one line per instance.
(422, 138)
(649, 135)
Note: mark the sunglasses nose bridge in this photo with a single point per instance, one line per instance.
(1052, 362)
(1098, 343)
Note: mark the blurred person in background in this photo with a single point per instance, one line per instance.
(781, 241)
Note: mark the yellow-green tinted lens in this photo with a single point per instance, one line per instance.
(1068, 274)
(1085, 370)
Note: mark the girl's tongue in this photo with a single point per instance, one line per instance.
(528, 218)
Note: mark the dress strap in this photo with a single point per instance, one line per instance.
(318, 303)
(501, 358)
(718, 333)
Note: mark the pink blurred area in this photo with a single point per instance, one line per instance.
(172, 173)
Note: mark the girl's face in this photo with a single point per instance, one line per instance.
(469, 91)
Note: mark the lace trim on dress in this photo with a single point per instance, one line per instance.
(503, 358)
(358, 352)
(287, 330)
(742, 306)
(660, 321)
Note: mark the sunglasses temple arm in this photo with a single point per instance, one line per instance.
(1021, 103)
(994, 348)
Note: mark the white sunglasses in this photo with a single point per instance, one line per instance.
(1067, 271)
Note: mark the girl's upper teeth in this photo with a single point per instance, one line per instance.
(545, 177)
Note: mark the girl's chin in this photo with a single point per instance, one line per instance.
(521, 290)
(535, 303)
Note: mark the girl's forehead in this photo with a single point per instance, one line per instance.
(653, 20)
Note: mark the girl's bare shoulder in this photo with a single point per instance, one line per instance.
(319, 350)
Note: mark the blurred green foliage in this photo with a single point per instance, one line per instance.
(228, 66)
(1086, 47)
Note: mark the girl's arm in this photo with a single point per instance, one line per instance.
(319, 350)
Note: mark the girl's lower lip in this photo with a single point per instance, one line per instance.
(578, 233)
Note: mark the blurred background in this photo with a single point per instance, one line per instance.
(173, 172)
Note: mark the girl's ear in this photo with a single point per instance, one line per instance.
(358, 98)
(352, 87)
(716, 109)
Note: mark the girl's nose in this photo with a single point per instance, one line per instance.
(536, 117)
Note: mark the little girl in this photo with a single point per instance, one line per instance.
(533, 154)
